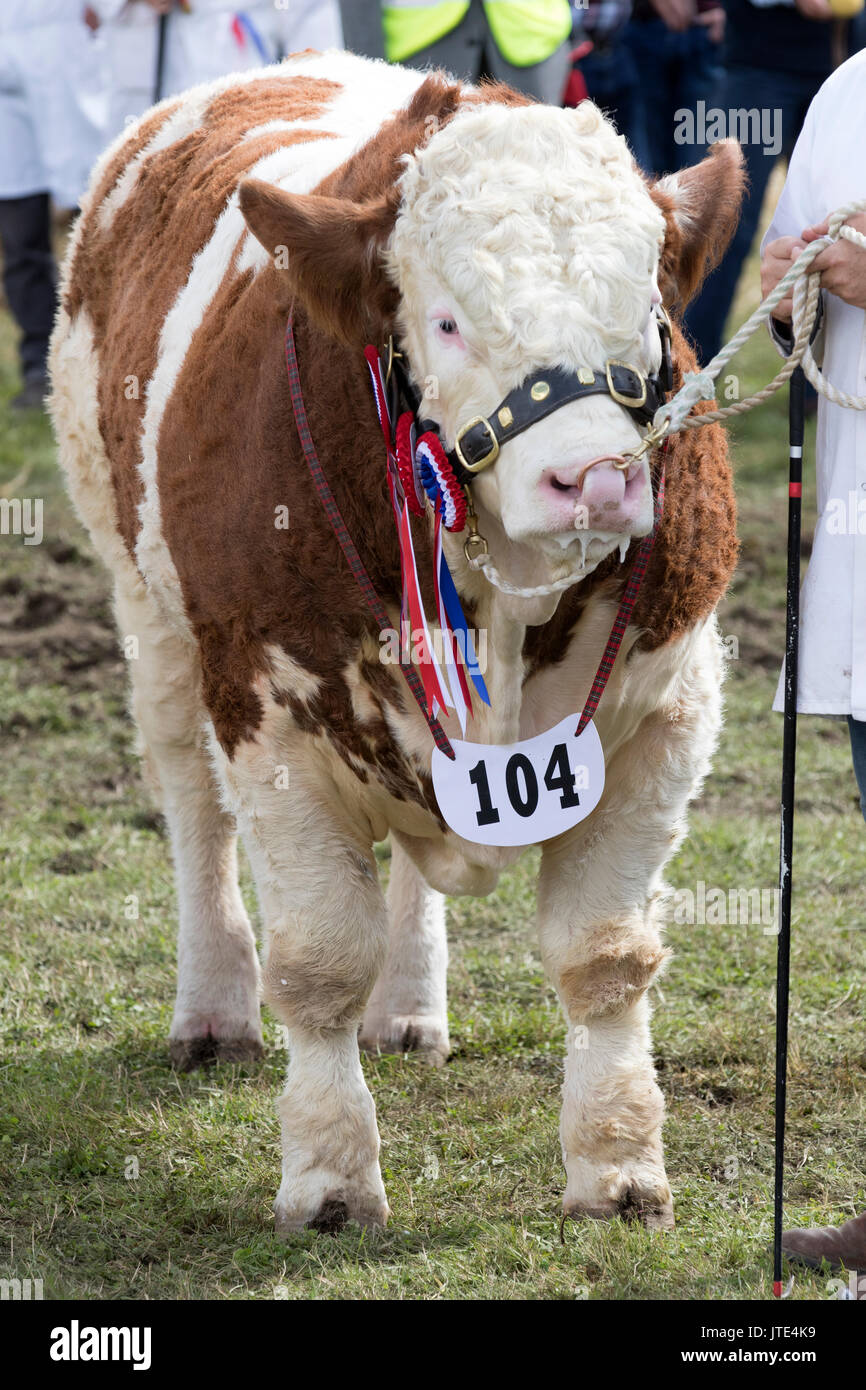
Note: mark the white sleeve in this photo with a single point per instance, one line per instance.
(798, 207)
(795, 210)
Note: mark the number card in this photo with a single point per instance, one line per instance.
(521, 793)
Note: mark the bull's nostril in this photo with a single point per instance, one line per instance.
(560, 486)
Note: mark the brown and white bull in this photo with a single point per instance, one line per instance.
(494, 238)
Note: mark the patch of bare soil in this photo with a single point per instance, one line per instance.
(55, 616)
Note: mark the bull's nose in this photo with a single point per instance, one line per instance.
(609, 496)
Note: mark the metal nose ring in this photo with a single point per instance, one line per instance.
(617, 460)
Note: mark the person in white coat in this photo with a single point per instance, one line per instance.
(52, 127)
(827, 170)
(204, 39)
(289, 26)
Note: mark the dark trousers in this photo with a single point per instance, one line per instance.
(746, 87)
(29, 277)
(612, 81)
(676, 70)
(857, 730)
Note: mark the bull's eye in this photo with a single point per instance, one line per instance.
(447, 326)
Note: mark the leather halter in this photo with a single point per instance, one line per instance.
(480, 439)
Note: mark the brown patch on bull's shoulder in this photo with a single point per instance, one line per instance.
(250, 587)
(130, 279)
(361, 739)
(490, 90)
(284, 98)
(373, 170)
(136, 141)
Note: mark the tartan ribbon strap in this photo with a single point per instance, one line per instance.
(627, 603)
(347, 545)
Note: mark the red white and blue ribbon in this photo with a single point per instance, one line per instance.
(435, 686)
(440, 483)
(456, 619)
(451, 651)
(342, 536)
(449, 504)
(407, 467)
(418, 469)
(374, 362)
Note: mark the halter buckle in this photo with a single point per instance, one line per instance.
(630, 402)
(492, 453)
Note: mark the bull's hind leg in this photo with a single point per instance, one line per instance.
(216, 1014)
(217, 1011)
(408, 1008)
(598, 902)
(326, 931)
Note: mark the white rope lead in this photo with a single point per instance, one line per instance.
(484, 563)
(806, 284)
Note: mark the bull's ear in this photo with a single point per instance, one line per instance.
(701, 207)
(330, 250)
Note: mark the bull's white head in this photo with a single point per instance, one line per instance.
(526, 240)
(517, 238)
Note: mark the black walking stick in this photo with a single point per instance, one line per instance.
(796, 400)
(160, 58)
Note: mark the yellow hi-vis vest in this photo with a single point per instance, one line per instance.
(525, 31)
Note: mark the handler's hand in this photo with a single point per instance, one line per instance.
(678, 15)
(776, 262)
(843, 265)
(814, 9)
(714, 22)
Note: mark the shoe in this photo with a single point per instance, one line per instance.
(841, 1246)
(32, 397)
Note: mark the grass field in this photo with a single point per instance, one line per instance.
(122, 1179)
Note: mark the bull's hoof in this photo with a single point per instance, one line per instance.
(189, 1054)
(334, 1211)
(330, 1218)
(407, 1033)
(631, 1206)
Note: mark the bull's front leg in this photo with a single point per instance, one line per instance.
(326, 933)
(612, 1108)
(599, 909)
